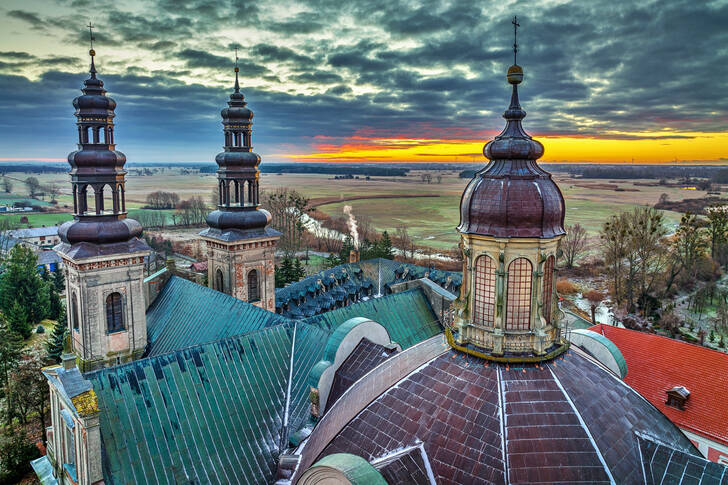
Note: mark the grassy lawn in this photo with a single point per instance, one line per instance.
(39, 219)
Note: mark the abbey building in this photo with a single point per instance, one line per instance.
(372, 372)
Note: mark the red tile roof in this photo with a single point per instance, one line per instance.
(656, 364)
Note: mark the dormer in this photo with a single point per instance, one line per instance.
(677, 397)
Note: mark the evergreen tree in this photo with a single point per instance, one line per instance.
(280, 281)
(59, 281)
(287, 271)
(10, 350)
(21, 284)
(55, 306)
(18, 320)
(385, 247)
(331, 261)
(54, 344)
(298, 271)
(346, 248)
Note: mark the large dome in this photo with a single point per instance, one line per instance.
(513, 196)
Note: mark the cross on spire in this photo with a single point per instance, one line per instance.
(515, 38)
(237, 84)
(91, 34)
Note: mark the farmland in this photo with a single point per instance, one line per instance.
(429, 210)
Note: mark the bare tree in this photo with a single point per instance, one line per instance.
(7, 185)
(574, 244)
(53, 190)
(595, 298)
(717, 227)
(33, 186)
(404, 241)
(288, 208)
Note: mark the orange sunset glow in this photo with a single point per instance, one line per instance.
(657, 147)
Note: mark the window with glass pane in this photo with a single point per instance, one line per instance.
(484, 308)
(114, 313)
(518, 302)
(253, 292)
(548, 288)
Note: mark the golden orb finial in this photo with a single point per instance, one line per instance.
(515, 74)
(92, 52)
(237, 69)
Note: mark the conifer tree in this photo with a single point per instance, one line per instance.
(287, 271)
(55, 306)
(18, 320)
(10, 350)
(385, 247)
(22, 284)
(298, 271)
(54, 345)
(59, 281)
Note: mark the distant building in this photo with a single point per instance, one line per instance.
(688, 383)
(45, 237)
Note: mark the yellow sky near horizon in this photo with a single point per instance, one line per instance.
(634, 148)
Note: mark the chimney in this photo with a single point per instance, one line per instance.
(354, 256)
(68, 358)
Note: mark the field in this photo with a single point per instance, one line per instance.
(430, 211)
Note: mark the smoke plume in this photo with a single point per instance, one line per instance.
(353, 228)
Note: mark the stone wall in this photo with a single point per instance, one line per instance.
(439, 298)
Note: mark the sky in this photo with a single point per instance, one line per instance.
(374, 80)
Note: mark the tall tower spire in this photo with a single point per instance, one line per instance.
(511, 225)
(101, 246)
(240, 244)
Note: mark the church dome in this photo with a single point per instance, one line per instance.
(513, 196)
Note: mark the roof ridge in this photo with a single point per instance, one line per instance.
(92, 373)
(677, 342)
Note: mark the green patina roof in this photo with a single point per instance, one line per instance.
(186, 314)
(407, 316)
(218, 411)
(213, 412)
(613, 349)
(355, 468)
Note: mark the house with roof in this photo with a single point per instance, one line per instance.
(44, 237)
(683, 380)
(372, 372)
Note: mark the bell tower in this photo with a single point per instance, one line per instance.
(511, 225)
(240, 245)
(100, 248)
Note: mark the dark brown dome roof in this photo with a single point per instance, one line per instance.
(512, 196)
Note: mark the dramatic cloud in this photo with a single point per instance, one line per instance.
(338, 75)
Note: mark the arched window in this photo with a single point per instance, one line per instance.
(518, 302)
(114, 313)
(74, 311)
(219, 281)
(548, 288)
(253, 290)
(484, 307)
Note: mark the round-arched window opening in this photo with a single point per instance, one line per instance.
(484, 307)
(253, 287)
(518, 296)
(219, 281)
(114, 313)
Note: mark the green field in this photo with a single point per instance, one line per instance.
(430, 220)
(38, 219)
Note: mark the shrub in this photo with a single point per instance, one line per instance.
(15, 455)
(566, 287)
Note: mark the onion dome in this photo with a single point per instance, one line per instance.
(513, 196)
(97, 173)
(239, 214)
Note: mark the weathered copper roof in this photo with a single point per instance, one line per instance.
(512, 196)
(567, 421)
